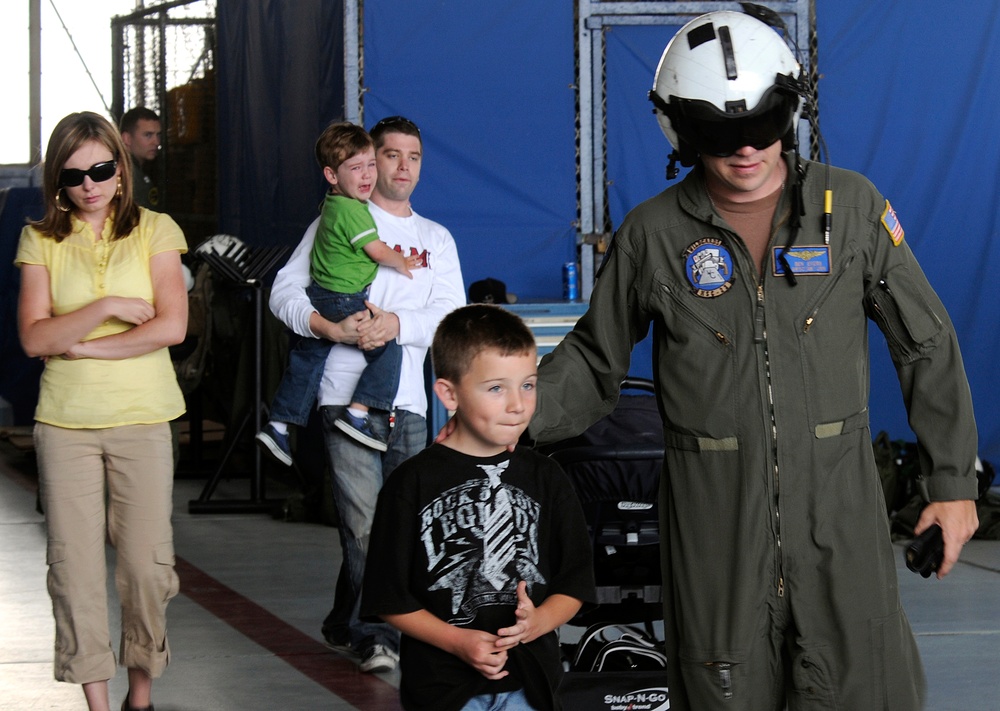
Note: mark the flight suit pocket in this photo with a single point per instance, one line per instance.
(702, 501)
(812, 684)
(696, 360)
(825, 430)
(693, 317)
(691, 443)
(904, 314)
(711, 683)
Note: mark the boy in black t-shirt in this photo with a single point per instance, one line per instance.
(478, 553)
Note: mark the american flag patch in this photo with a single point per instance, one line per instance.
(891, 224)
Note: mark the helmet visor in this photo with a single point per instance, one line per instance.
(712, 132)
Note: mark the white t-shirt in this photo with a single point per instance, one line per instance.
(435, 290)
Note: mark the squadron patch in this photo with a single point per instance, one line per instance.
(891, 224)
(805, 261)
(708, 266)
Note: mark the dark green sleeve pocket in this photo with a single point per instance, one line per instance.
(903, 312)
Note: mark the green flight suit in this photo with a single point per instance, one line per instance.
(779, 576)
(145, 193)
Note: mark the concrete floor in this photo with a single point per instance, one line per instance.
(244, 632)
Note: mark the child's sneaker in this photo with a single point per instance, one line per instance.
(378, 659)
(360, 429)
(275, 444)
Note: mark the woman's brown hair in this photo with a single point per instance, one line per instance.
(68, 136)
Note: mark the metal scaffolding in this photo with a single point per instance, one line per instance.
(594, 17)
(163, 58)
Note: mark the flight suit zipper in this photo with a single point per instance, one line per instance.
(760, 336)
(782, 220)
(889, 317)
(827, 290)
(881, 311)
(719, 336)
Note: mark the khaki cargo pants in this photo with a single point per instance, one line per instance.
(111, 484)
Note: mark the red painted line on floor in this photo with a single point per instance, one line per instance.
(340, 676)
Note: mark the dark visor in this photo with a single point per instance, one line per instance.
(712, 132)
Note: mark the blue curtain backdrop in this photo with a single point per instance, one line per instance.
(491, 86)
(907, 97)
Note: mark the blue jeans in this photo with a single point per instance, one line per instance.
(506, 701)
(296, 393)
(357, 473)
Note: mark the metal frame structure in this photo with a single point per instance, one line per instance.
(153, 16)
(593, 17)
(247, 267)
(354, 58)
(141, 80)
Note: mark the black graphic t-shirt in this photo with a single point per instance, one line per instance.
(454, 535)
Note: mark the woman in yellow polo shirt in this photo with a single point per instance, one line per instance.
(102, 297)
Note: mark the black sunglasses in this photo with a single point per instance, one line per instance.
(98, 172)
(391, 122)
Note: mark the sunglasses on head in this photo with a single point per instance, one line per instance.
(391, 122)
(98, 172)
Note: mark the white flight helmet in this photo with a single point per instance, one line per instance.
(726, 80)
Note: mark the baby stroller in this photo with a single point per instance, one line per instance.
(615, 469)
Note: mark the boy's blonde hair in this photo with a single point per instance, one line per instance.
(339, 141)
(468, 331)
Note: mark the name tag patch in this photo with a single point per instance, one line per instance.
(804, 261)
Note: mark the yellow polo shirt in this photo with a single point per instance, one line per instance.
(89, 393)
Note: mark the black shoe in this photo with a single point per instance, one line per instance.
(126, 707)
(338, 645)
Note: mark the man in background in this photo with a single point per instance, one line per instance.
(141, 133)
(408, 310)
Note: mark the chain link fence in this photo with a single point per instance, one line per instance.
(164, 59)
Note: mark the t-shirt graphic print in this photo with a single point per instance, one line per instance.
(481, 538)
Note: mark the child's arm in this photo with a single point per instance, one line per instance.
(385, 255)
(533, 622)
(475, 648)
